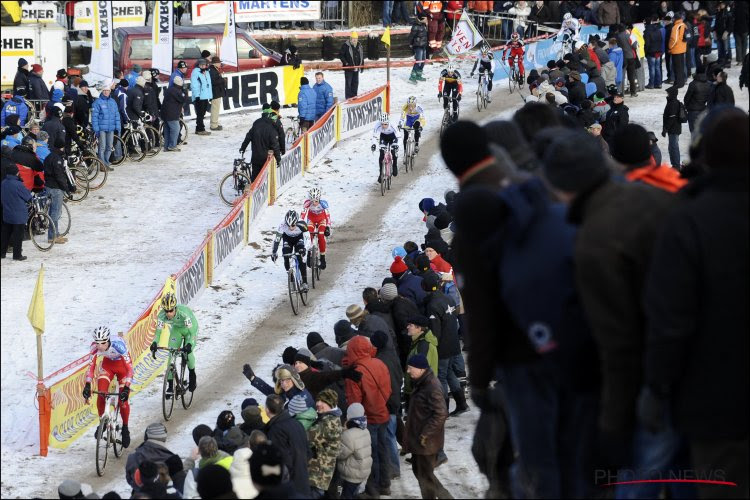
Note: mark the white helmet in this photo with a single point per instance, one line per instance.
(567, 16)
(101, 334)
(451, 67)
(384, 118)
(314, 194)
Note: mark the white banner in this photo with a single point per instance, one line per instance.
(248, 12)
(361, 113)
(39, 12)
(124, 14)
(289, 169)
(163, 37)
(320, 139)
(464, 38)
(102, 56)
(228, 47)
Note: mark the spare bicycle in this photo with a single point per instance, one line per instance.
(292, 133)
(109, 431)
(294, 281)
(233, 185)
(181, 136)
(40, 221)
(179, 384)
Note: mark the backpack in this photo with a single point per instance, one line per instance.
(451, 291)
(683, 114)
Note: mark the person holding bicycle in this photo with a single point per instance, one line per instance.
(515, 46)
(486, 62)
(450, 87)
(412, 117)
(117, 362)
(183, 328)
(291, 232)
(315, 211)
(385, 135)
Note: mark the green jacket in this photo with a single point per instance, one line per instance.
(307, 417)
(183, 323)
(424, 344)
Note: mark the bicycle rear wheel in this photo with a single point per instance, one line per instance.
(102, 446)
(117, 143)
(233, 186)
(82, 186)
(479, 97)
(293, 296)
(95, 164)
(136, 146)
(167, 405)
(182, 137)
(39, 225)
(117, 435)
(154, 141)
(186, 396)
(63, 223)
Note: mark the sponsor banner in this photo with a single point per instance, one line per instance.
(229, 235)
(321, 137)
(163, 37)
(214, 13)
(360, 113)
(228, 47)
(102, 45)
(38, 12)
(290, 167)
(124, 14)
(192, 280)
(260, 191)
(464, 38)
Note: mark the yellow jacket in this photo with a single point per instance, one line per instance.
(641, 43)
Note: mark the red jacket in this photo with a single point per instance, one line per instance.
(595, 58)
(453, 10)
(374, 389)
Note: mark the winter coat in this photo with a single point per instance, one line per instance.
(443, 324)
(410, 286)
(676, 44)
(653, 40)
(175, 73)
(697, 93)
(418, 36)
(720, 93)
(623, 41)
(131, 78)
(54, 127)
(723, 22)
(389, 357)
(105, 117)
(401, 310)
(306, 103)
(42, 151)
(323, 98)
(315, 380)
(355, 455)
(655, 174)
(200, 85)
(15, 106)
(640, 44)
(174, 100)
(289, 435)
(374, 389)
(15, 198)
(21, 80)
(151, 100)
(426, 344)
(82, 109)
(30, 169)
(608, 13)
(121, 97)
(264, 138)
(331, 353)
(426, 418)
(543, 14)
(601, 85)
(54, 172)
(576, 92)
(218, 87)
(607, 258)
(38, 89)
(149, 451)
(280, 135)
(696, 304)
(351, 55)
(372, 323)
(671, 117)
(136, 97)
(740, 17)
(324, 437)
(242, 482)
(222, 458)
(616, 56)
(617, 117)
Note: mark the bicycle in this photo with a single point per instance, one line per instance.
(313, 257)
(133, 143)
(153, 135)
(514, 77)
(234, 184)
(181, 136)
(179, 384)
(90, 166)
(567, 46)
(410, 150)
(292, 133)
(482, 92)
(109, 431)
(448, 115)
(386, 168)
(80, 180)
(40, 221)
(294, 282)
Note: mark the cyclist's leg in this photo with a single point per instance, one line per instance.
(380, 162)
(310, 226)
(446, 93)
(299, 248)
(285, 249)
(454, 95)
(121, 372)
(106, 374)
(521, 71)
(406, 138)
(417, 132)
(394, 154)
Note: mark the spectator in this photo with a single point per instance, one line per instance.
(617, 58)
(57, 184)
(218, 90)
(105, 121)
(351, 54)
(740, 29)
(21, 80)
(609, 70)
(224, 423)
(696, 98)
(38, 90)
(297, 398)
(425, 427)
(401, 310)
(275, 115)
(290, 57)
(171, 111)
(653, 41)
(355, 452)
(629, 59)
(324, 437)
(151, 104)
(323, 96)
(400, 12)
(723, 24)
(306, 101)
(655, 151)
(15, 197)
(387, 354)
(387, 9)
(344, 332)
(720, 92)
(632, 149)
(202, 93)
(608, 13)
(215, 481)
(148, 483)
(251, 417)
(71, 131)
(180, 71)
(82, 105)
(265, 139)
(289, 435)
(70, 489)
(53, 125)
(16, 106)
(366, 323)
(121, 95)
(267, 471)
(677, 48)
(135, 72)
(135, 101)
(595, 129)
(31, 170)
(424, 342)
(152, 449)
(42, 145)
(210, 455)
(576, 89)
(409, 285)
(672, 126)
(617, 117)
(639, 46)
(418, 40)
(321, 350)
(316, 381)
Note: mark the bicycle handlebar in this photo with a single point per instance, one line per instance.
(106, 394)
(171, 349)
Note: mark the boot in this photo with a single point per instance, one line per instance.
(125, 438)
(419, 75)
(192, 383)
(322, 261)
(413, 77)
(461, 406)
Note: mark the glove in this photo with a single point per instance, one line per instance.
(242, 151)
(124, 393)
(188, 348)
(351, 373)
(394, 148)
(327, 232)
(153, 347)
(399, 126)
(458, 99)
(373, 147)
(663, 133)
(423, 440)
(87, 390)
(248, 372)
(652, 410)
(274, 257)
(471, 74)
(440, 95)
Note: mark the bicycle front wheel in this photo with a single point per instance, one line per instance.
(182, 137)
(186, 396)
(96, 165)
(233, 186)
(82, 186)
(136, 145)
(117, 145)
(293, 295)
(479, 98)
(102, 446)
(116, 430)
(154, 141)
(167, 405)
(511, 79)
(39, 225)
(63, 223)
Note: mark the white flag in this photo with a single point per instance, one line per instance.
(465, 36)
(102, 56)
(163, 35)
(229, 41)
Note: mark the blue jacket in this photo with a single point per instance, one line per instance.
(323, 98)
(42, 151)
(105, 116)
(131, 78)
(617, 58)
(306, 103)
(12, 140)
(15, 106)
(410, 286)
(15, 197)
(121, 98)
(200, 85)
(176, 72)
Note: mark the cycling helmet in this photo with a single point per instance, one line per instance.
(567, 16)
(101, 334)
(169, 301)
(451, 67)
(514, 35)
(411, 100)
(384, 118)
(291, 218)
(314, 194)
(486, 49)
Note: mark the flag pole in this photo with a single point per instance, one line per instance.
(36, 318)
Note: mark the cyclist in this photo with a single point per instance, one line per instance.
(449, 86)
(116, 361)
(486, 62)
(570, 29)
(515, 46)
(315, 211)
(183, 328)
(385, 134)
(413, 117)
(291, 232)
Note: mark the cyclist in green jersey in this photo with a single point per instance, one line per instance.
(182, 332)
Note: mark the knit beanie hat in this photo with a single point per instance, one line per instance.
(251, 415)
(288, 356)
(463, 145)
(69, 488)
(398, 266)
(430, 282)
(234, 439)
(437, 244)
(225, 420)
(398, 252)
(297, 405)
(329, 397)
(248, 402)
(426, 205)
(124, 83)
(418, 361)
(410, 247)
(574, 162)
(304, 356)
(379, 339)
(304, 81)
(140, 81)
(343, 331)
(422, 262)
(156, 432)
(200, 431)
(266, 465)
(12, 120)
(355, 410)
(214, 481)
(418, 320)
(313, 339)
(389, 291)
(21, 63)
(631, 146)
(355, 314)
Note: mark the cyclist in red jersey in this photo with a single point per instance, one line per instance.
(515, 46)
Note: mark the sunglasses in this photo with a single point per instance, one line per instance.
(169, 310)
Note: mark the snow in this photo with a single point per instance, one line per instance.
(146, 221)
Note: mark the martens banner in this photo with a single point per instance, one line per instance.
(261, 191)
(360, 113)
(250, 12)
(192, 280)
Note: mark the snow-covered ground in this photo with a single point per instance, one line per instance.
(147, 220)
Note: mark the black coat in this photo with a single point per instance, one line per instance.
(390, 358)
(740, 17)
(280, 134)
(696, 305)
(351, 55)
(151, 100)
(289, 435)
(723, 21)
(418, 35)
(697, 93)
(82, 110)
(26, 157)
(443, 323)
(264, 138)
(671, 118)
(38, 88)
(174, 100)
(652, 39)
(576, 92)
(218, 86)
(332, 353)
(383, 311)
(54, 127)
(71, 133)
(720, 93)
(21, 80)
(135, 102)
(617, 117)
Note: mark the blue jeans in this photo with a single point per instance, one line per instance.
(690, 62)
(105, 146)
(393, 447)
(692, 117)
(674, 150)
(55, 208)
(448, 372)
(348, 490)
(380, 475)
(171, 133)
(387, 8)
(401, 12)
(654, 71)
(420, 53)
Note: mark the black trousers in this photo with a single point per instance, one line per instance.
(201, 106)
(721, 460)
(678, 70)
(351, 80)
(423, 467)
(417, 133)
(630, 72)
(12, 235)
